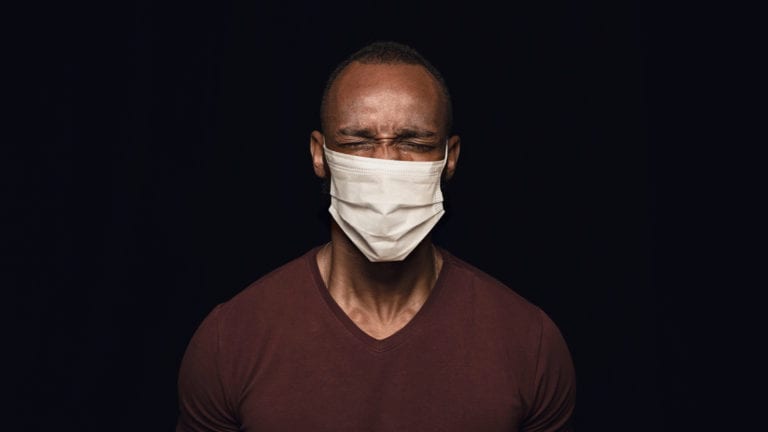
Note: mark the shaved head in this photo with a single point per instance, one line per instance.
(389, 53)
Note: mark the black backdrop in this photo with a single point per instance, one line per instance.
(166, 167)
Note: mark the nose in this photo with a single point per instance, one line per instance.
(386, 150)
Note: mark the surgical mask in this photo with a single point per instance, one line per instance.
(385, 207)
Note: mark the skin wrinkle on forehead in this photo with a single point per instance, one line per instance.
(408, 131)
(385, 95)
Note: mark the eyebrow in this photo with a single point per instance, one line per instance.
(408, 132)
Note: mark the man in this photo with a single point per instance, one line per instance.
(379, 329)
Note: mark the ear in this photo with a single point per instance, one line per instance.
(454, 146)
(316, 149)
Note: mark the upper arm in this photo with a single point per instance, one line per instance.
(554, 390)
(204, 404)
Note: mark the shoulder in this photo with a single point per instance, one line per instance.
(529, 336)
(268, 299)
(235, 329)
(499, 311)
(484, 290)
(275, 287)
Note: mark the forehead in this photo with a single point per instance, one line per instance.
(358, 76)
(365, 84)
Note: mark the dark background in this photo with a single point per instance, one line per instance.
(165, 165)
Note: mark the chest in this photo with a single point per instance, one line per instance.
(425, 388)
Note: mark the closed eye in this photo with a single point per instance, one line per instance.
(355, 144)
(416, 147)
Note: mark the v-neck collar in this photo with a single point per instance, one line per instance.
(414, 326)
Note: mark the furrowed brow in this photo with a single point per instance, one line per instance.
(361, 133)
(402, 133)
(415, 133)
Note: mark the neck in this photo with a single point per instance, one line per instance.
(384, 292)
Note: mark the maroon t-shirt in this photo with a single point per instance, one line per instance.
(283, 356)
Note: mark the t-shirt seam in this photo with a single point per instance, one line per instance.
(534, 384)
(217, 365)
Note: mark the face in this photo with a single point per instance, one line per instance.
(385, 111)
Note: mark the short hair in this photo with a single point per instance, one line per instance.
(391, 53)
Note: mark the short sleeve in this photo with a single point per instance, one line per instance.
(554, 391)
(203, 402)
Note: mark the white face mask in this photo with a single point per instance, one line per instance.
(386, 207)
